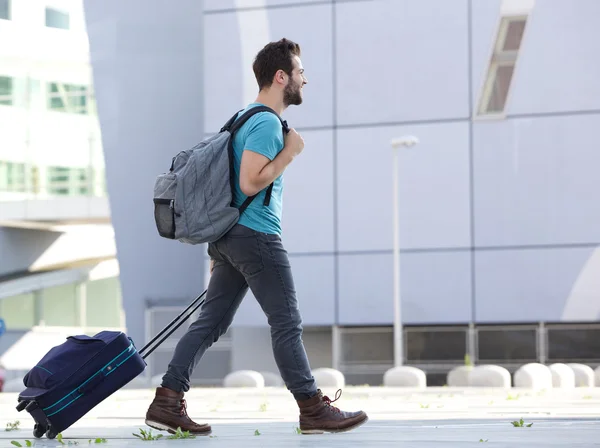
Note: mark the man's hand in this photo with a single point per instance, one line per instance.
(257, 172)
(212, 265)
(294, 142)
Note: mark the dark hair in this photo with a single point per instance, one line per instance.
(273, 57)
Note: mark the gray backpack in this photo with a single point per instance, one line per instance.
(193, 200)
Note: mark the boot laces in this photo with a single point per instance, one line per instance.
(328, 401)
(183, 413)
(183, 408)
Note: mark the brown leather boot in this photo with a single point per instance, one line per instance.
(168, 412)
(317, 416)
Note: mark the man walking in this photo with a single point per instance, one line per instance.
(251, 255)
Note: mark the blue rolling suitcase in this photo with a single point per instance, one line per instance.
(76, 375)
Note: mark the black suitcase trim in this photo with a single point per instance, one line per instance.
(81, 390)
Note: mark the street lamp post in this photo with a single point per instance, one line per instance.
(397, 143)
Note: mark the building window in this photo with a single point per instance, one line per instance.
(573, 343)
(18, 312)
(365, 346)
(103, 303)
(5, 9)
(66, 181)
(12, 177)
(500, 344)
(502, 65)
(6, 90)
(59, 306)
(68, 98)
(435, 344)
(57, 19)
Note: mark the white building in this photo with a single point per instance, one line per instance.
(57, 264)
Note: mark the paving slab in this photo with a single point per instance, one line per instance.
(432, 417)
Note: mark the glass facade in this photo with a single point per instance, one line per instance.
(50, 143)
(50, 147)
(91, 304)
(53, 145)
(18, 312)
(68, 98)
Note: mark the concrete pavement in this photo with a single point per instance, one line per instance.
(444, 417)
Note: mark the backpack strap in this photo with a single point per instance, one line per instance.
(232, 126)
(227, 126)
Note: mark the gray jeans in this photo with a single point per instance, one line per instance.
(246, 258)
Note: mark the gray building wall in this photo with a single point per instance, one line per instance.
(496, 215)
(148, 67)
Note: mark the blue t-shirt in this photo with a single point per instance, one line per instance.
(262, 133)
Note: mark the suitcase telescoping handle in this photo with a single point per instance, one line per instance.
(185, 314)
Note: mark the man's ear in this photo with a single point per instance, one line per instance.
(280, 77)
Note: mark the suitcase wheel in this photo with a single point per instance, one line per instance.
(32, 405)
(38, 430)
(51, 434)
(22, 405)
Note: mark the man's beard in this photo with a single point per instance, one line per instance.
(292, 96)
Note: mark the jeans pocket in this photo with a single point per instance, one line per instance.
(244, 254)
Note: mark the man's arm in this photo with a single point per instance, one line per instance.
(258, 171)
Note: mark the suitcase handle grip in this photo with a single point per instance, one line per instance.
(145, 352)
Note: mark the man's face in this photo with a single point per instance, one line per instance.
(292, 92)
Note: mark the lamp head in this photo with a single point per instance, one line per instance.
(407, 141)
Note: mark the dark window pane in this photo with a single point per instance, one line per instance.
(436, 379)
(70, 98)
(507, 345)
(6, 85)
(360, 379)
(500, 88)
(436, 345)
(57, 19)
(70, 88)
(583, 344)
(373, 347)
(6, 90)
(57, 104)
(514, 35)
(12, 176)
